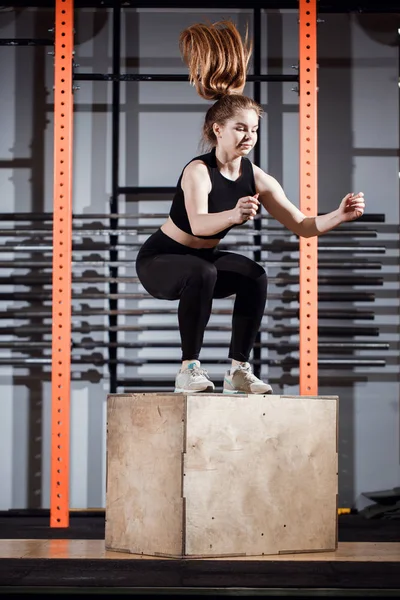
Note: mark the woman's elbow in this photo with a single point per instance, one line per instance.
(198, 225)
(303, 229)
(196, 229)
(305, 234)
(299, 231)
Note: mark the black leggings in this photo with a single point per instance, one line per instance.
(170, 271)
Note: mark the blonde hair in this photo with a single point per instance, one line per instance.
(217, 58)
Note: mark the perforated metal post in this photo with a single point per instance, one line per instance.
(308, 196)
(62, 255)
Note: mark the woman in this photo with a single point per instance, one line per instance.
(216, 191)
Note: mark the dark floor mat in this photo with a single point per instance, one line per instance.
(207, 574)
(31, 525)
(356, 528)
(91, 526)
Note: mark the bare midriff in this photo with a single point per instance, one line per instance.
(172, 231)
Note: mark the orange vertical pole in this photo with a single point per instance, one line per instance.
(308, 196)
(62, 255)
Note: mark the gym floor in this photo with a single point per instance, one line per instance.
(36, 559)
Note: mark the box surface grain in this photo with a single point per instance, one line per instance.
(219, 475)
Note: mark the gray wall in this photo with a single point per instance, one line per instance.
(160, 132)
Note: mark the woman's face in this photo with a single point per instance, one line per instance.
(239, 134)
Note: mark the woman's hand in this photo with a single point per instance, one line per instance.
(352, 207)
(245, 209)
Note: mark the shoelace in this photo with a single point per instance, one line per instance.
(248, 374)
(196, 372)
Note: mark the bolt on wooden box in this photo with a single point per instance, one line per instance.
(216, 475)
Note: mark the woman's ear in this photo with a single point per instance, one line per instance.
(216, 130)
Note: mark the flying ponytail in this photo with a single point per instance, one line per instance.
(217, 58)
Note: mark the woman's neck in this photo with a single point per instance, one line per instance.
(228, 164)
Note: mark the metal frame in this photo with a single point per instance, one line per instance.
(308, 196)
(62, 228)
(62, 259)
(324, 6)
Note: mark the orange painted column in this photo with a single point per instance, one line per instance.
(62, 256)
(308, 196)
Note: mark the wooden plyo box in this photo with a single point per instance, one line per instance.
(217, 475)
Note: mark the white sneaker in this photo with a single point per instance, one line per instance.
(243, 381)
(193, 379)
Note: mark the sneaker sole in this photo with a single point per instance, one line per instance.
(247, 393)
(183, 391)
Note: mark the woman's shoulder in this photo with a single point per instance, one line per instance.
(258, 171)
(199, 164)
(197, 169)
(263, 180)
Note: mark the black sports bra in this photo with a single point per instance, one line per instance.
(223, 196)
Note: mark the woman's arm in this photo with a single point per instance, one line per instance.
(196, 186)
(274, 200)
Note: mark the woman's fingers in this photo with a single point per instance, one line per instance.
(252, 199)
(355, 205)
(355, 198)
(355, 202)
(248, 213)
(248, 207)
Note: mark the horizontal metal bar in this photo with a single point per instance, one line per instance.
(25, 42)
(336, 347)
(275, 249)
(278, 281)
(284, 297)
(274, 246)
(87, 328)
(330, 313)
(291, 362)
(128, 77)
(326, 264)
(33, 263)
(138, 226)
(48, 216)
(278, 314)
(100, 361)
(77, 232)
(275, 330)
(242, 232)
(332, 280)
(354, 345)
(328, 6)
(288, 346)
(275, 242)
(135, 189)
